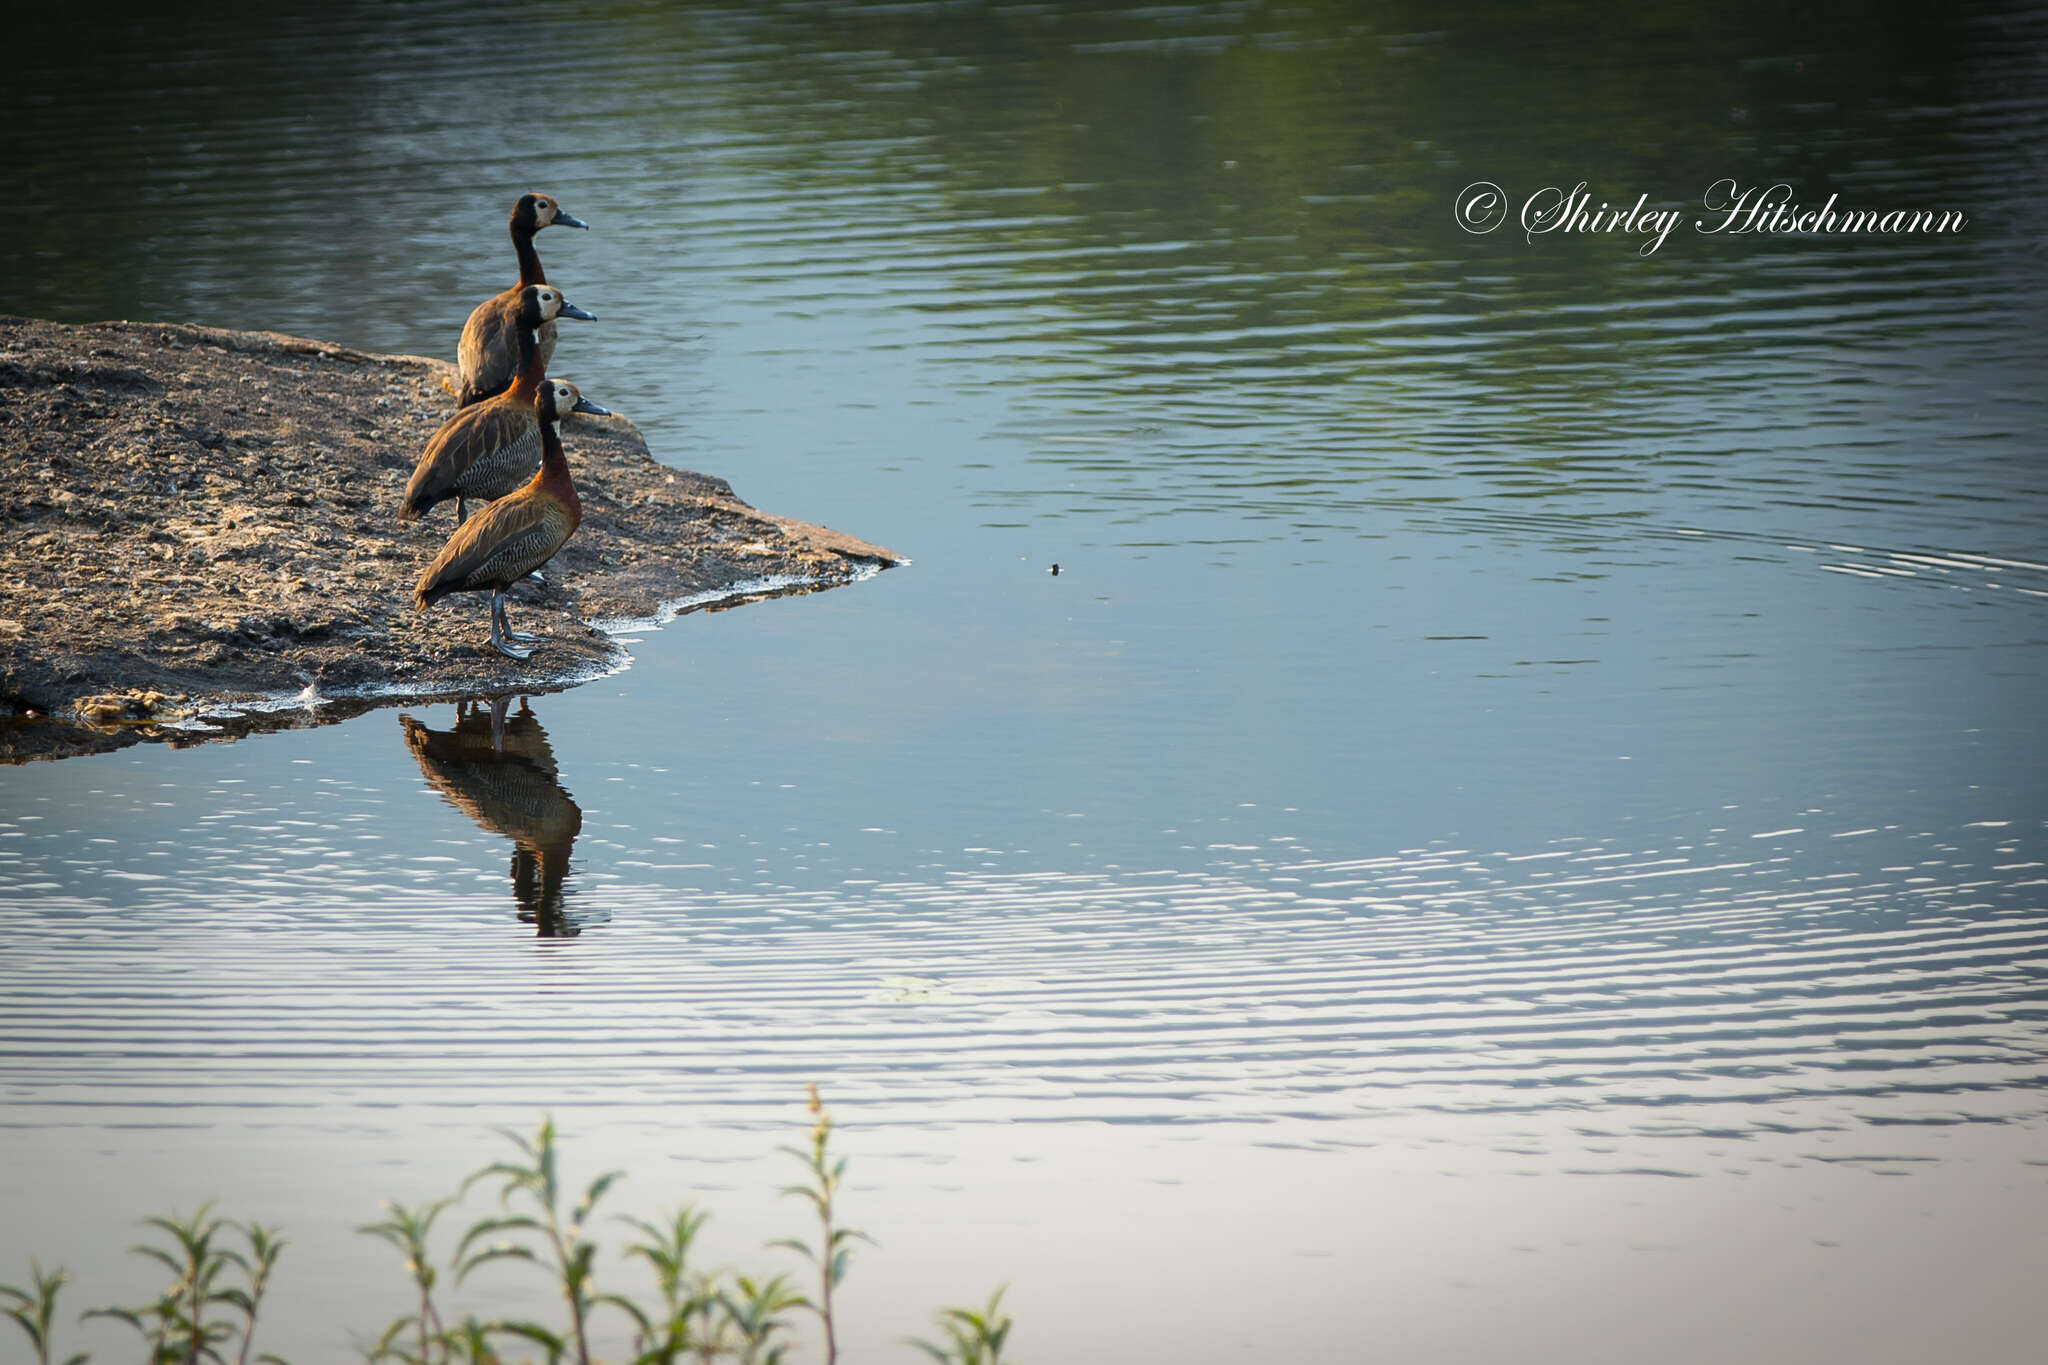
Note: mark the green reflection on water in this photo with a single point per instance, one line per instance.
(1190, 230)
(1328, 134)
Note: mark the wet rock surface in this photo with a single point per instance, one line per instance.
(195, 522)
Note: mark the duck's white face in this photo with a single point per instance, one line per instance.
(544, 210)
(550, 303)
(566, 396)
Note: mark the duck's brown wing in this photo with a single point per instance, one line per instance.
(497, 547)
(475, 448)
(487, 356)
(507, 461)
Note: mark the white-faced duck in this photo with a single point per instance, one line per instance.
(486, 358)
(487, 450)
(510, 538)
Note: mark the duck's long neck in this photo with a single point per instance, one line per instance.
(554, 470)
(529, 259)
(532, 364)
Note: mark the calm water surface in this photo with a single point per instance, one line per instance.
(1518, 830)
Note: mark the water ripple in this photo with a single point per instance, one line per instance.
(1741, 979)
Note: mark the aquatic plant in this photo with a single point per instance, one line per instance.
(758, 1312)
(207, 1314)
(407, 1230)
(686, 1320)
(563, 1248)
(35, 1309)
(186, 1323)
(971, 1338)
(835, 1243)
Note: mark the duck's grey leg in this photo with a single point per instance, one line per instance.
(499, 630)
(498, 724)
(518, 637)
(461, 511)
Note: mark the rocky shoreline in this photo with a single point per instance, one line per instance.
(199, 538)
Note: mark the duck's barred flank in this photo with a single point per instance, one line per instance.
(489, 449)
(514, 535)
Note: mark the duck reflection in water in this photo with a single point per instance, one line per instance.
(499, 770)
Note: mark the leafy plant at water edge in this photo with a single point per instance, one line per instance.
(757, 1313)
(564, 1249)
(186, 1324)
(687, 1318)
(407, 1230)
(207, 1315)
(265, 1246)
(835, 1243)
(35, 1308)
(971, 1338)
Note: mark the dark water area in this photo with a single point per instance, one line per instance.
(1518, 829)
